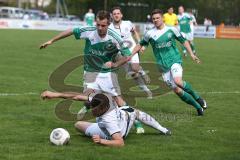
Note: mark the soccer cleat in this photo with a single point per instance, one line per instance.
(168, 133)
(82, 113)
(140, 130)
(200, 111)
(202, 102)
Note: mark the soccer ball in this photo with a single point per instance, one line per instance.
(59, 136)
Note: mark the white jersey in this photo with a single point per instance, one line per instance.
(116, 119)
(125, 31)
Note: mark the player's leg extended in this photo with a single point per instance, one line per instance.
(150, 121)
(176, 71)
(185, 86)
(139, 75)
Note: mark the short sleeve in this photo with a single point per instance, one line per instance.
(121, 45)
(131, 26)
(77, 33)
(82, 32)
(112, 128)
(145, 39)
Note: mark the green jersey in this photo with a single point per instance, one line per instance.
(89, 18)
(164, 47)
(99, 50)
(184, 22)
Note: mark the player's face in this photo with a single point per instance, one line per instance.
(157, 20)
(117, 15)
(180, 10)
(170, 10)
(102, 27)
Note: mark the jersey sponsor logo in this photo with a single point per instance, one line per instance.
(164, 45)
(107, 49)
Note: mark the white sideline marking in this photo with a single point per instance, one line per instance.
(34, 93)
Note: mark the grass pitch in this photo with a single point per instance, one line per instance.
(26, 121)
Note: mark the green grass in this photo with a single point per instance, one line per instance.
(26, 121)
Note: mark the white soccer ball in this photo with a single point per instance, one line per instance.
(59, 136)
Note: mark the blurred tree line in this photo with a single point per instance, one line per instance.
(226, 11)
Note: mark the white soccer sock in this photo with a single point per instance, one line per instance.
(150, 121)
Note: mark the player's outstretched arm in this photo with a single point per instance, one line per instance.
(117, 140)
(61, 35)
(67, 95)
(188, 47)
(118, 63)
(136, 49)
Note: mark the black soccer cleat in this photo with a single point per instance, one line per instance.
(202, 103)
(200, 111)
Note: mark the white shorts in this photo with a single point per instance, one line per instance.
(175, 71)
(106, 82)
(94, 129)
(188, 36)
(135, 59)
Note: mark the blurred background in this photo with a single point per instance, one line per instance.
(219, 11)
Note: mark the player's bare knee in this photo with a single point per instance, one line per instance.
(177, 90)
(178, 82)
(80, 126)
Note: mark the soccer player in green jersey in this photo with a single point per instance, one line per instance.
(89, 17)
(185, 21)
(98, 39)
(162, 39)
(102, 45)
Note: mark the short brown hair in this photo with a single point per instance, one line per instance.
(157, 11)
(100, 105)
(102, 14)
(116, 7)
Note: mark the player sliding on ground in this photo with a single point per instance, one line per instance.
(102, 45)
(112, 123)
(162, 39)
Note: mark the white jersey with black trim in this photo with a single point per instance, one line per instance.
(115, 120)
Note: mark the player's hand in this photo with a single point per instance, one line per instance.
(44, 45)
(108, 64)
(96, 139)
(196, 59)
(49, 95)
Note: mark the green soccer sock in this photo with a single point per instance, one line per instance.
(138, 124)
(189, 100)
(188, 88)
